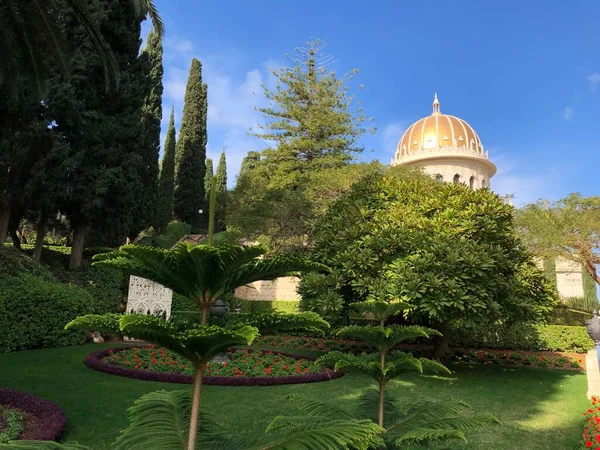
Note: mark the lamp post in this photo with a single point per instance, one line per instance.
(593, 329)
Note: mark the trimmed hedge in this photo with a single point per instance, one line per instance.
(173, 233)
(257, 306)
(525, 337)
(34, 311)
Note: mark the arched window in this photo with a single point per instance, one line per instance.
(456, 178)
(439, 178)
(483, 184)
(472, 182)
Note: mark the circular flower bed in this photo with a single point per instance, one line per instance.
(40, 420)
(244, 367)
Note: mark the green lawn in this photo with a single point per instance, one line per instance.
(540, 409)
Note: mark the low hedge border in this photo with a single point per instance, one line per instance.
(95, 360)
(52, 419)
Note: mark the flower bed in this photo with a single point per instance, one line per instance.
(246, 367)
(50, 420)
(502, 357)
(591, 430)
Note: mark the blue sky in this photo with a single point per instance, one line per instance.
(524, 74)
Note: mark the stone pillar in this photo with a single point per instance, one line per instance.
(593, 373)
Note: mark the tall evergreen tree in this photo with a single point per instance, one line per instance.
(221, 187)
(208, 177)
(146, 199)
(166, 186)
(190, 156)
(249, 162)
(102, 128)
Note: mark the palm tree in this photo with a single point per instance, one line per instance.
(31, 36)
(202, 273)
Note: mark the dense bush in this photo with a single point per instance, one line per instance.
(524, 337)
(13, 263)
(34, 311)
(174, 232)
(585, 304)
(564, 315)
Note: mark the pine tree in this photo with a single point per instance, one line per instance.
(208, 177)
(146, 199)
(249, 163)
(166, 186)
(190, 156)
(221, 186)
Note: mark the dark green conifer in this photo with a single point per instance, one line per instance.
(190, 156)
(166, 186)
(208, 177)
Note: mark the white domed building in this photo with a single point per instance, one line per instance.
(447, 148)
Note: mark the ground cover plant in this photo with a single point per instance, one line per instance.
(11, 424)
(591, 429)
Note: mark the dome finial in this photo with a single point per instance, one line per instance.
(436, 104)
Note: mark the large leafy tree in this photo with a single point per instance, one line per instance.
(32, 41)
(103, 130)
(568, 228)
(190, 156)
(151, 116)
(449, 252)
(315, 124)
(166, 184)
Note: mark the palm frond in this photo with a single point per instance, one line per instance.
(367, 363)
(379, 309)
(275, 322)
(431, 366)
(384, 338)
(203, 343)
(145, 8)
(322, 435)
(154, 330)
(316, 408)
(161, 419)
(106, 323)
(425, 435)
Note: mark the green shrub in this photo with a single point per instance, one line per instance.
(564, 315)
(174, 232)
(257, 306)
(585, 304)
(524, 337)
(34, 311)
(13, 263)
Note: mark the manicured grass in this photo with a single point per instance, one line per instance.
(539, 408)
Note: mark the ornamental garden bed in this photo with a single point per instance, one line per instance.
(240, 367)
(27, 417)
(542, 359)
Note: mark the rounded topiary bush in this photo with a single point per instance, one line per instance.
(34, 311)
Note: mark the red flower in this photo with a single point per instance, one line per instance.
(588, 444)
(259, 363)
(225, 364)
(153, 360)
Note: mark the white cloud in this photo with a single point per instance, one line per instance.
(594, 80)
(568, 112)
(232, 99)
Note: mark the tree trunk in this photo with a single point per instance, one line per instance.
(4, 219)
(590, 267)
(39, 238)
(198, 374)
(77, 246)
(15, 239)
(381, 402)
(205, 313)
(442, 342)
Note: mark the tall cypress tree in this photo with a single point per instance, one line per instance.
(221, 187)
(190, 156)
(166, 186)
(208, 177)
(146, 199)
(249, 162)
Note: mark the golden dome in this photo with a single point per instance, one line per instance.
(438, 131)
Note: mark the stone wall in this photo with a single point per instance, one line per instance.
(569, 280)
(284, 288)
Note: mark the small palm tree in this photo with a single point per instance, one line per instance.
(30, 36)
(204, 273)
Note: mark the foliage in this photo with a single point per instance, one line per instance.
(590, 292)
(14, 263)
(524, 337)
(258, 306)
(174, 232)
(190, 154)
(249, 162)
(166, 184)
(447, 251)
(550, 270)
(208, 176)
(568, 228)
(33, 312)
(203, 273)
(583, 304)
(151, 117)
(221, 181)
(241, 363)
(12, 424)
(570, 313)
